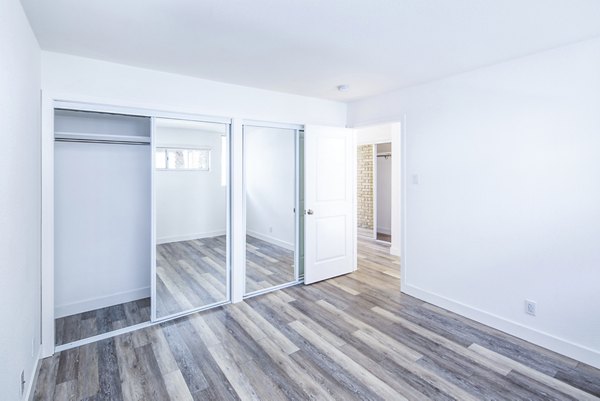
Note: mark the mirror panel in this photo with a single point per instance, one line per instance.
(270, 185)
(191, 207)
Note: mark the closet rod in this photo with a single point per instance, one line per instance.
(108, 142)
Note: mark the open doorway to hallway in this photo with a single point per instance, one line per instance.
(382, 191)
(378, 185)
(374, 191)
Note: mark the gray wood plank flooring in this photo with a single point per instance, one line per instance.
(190, 274)
(355, 337)
(91, 323)
(267, 265)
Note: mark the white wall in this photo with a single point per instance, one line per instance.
(102, 225)
(190, 204)
(101, 81)
(270, 184)
(19, 199)
(384, 190)
(506, 204)
(381, 133)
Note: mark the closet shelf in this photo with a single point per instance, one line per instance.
(80, 136)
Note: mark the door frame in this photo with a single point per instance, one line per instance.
(375, 186)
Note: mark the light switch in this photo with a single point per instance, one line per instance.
(415, 179)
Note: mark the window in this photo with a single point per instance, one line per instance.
(182, 159)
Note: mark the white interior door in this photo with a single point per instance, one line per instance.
(329, 155)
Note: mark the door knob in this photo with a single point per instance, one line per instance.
(310, 211)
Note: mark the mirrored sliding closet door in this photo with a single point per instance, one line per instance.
(270, 166)
(191, 198)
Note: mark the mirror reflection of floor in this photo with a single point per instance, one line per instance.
(267, 265)
(92, 323)
(190, 274)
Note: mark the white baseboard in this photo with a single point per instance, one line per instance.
(271, 240)
(546, 340)
(33, 377)
(189, 237)
(100, 302)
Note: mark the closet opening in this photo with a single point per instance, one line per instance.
(101, 223)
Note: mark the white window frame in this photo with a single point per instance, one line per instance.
(166, 149)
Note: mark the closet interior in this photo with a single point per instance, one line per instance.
(102, 223)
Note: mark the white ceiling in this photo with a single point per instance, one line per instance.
(309, 47)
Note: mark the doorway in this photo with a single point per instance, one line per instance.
(378, 182)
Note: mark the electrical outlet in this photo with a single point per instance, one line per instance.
(22, 383)
(270, 229)
(530, 307)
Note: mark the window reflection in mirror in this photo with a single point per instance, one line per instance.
(190, 178)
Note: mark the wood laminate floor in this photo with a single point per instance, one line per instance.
(100, 321)
(365, 232)
(190, 274)
(267, 265)
(355, 337)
